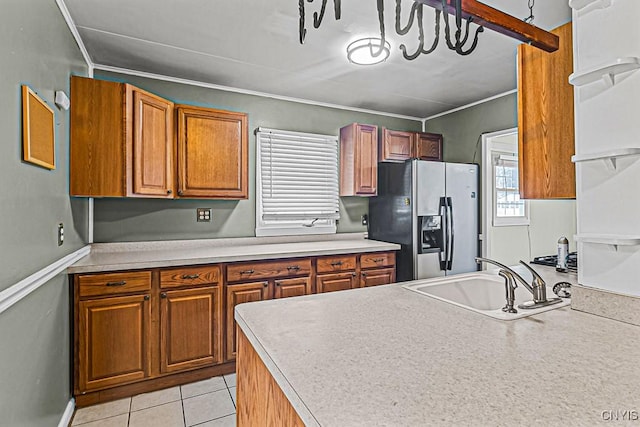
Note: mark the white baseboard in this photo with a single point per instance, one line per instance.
(68, 413)
(15, 293)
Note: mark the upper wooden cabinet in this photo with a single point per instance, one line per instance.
(546, 121)
(399, 146)
(428, 146)
(358, 160)
(122, 141)
(213, 157)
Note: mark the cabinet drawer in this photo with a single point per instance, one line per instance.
(114, 283)
(189, 276)
(336, 263)
(268, 269)
(377, 259)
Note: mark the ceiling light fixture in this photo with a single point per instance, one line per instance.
(456, 36)
(368, 51)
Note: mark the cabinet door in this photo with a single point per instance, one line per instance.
(213, 158)
(336, 282)
(428, 146)
(382, 276)
(113, 340)
(238, 294)
(190, 329)
(285, 288)
(366, 169)
(153, 141)
(546, 120)
(396, 145)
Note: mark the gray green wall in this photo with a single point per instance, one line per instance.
(134, 220)
(37, 49)
(549, 219)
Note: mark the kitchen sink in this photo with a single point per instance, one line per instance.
(483, 293)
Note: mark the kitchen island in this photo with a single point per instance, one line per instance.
(389, 356)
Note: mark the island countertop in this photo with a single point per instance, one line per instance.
(389, 356)
(137, 255)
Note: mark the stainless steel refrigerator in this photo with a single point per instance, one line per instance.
(431, 210)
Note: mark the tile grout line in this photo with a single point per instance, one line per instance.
(184, 418)
(129, 414)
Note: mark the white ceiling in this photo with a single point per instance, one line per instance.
(253, 45)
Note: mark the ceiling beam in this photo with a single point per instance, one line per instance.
(501, 22)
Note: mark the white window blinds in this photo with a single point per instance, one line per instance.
(298, 175)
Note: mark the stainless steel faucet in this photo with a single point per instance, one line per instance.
(538, 287)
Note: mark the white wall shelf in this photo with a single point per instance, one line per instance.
(605, 72)
(610, 156)
(614, 240)
(581, 4)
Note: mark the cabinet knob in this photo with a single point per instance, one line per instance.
(265, 284)
(163, 295)
(364, 274)
(169, 191)
(146, 297)
(180, 193)
(278, 283)
(353, 274)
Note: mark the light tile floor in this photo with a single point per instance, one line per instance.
(208, 403)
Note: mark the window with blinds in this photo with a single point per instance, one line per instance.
(508, 208)
(296, 183)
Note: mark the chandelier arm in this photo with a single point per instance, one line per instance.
(447, 28)
(420, 48)
(383, 39)
(466, 32)
(337, 9)
(462, 52)
(301, 29)
(437, 35)
(317, 18)
(402, 31)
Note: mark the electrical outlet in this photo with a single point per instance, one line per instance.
(60, 234)
(365, 219)
(203, 214)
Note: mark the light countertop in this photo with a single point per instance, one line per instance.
(137, 255)
(389, 356)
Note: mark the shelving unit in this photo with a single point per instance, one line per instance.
(613, 240)
(610, 157)
(605, 72)
(581, 4)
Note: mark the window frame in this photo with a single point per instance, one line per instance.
(511, 150)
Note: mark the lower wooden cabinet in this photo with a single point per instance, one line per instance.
(190, 329)
(336, 282)
(113, 341)
(141, 330)
(382, 276)
(238, 294)
(296, 287)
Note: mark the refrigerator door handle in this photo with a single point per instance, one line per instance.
(444, 253)
(451, 232)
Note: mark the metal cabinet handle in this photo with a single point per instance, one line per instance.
(336, 263)
(377, 259)
(190, 276)
(248, 271)
(293, 267)
(163, 295)
(120, 283)
(169, 191)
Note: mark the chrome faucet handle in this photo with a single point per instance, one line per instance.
(537, 280)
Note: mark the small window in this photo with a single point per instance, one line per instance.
(296, 183)
(508, 209)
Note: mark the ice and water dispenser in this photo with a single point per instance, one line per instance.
(431, 234)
